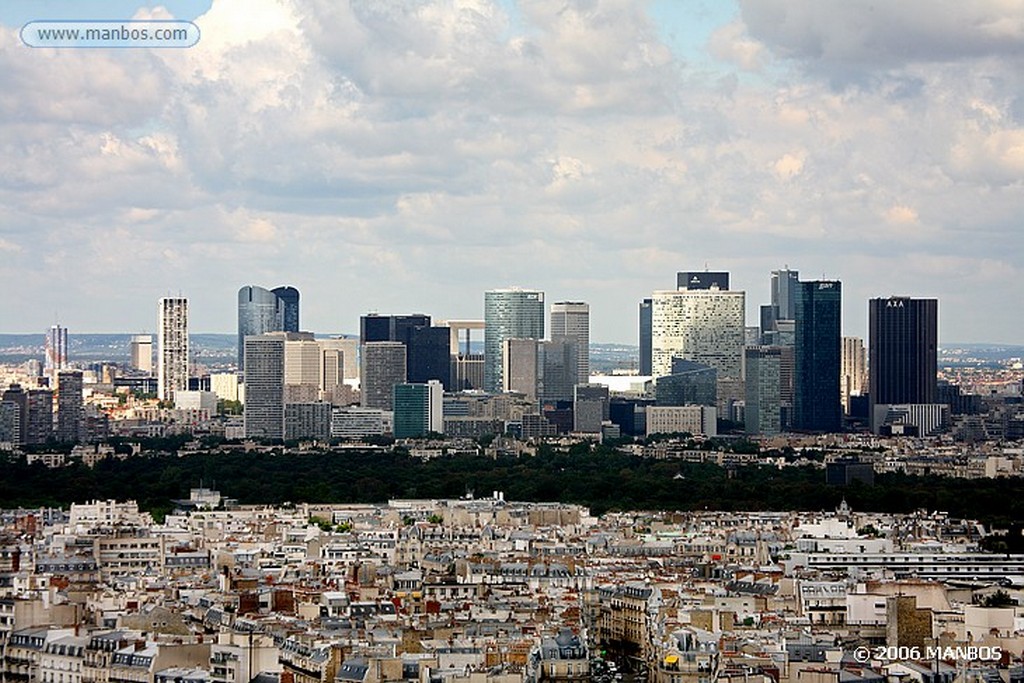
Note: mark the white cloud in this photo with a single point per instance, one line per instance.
(412, 153)
(732, 44)
(886, 34)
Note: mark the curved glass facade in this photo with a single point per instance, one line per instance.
(259, 312)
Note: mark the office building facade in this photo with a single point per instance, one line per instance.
(644, 366)
(56, 358)
(572, 319)
(264, 386)
(508, 314)
(382, 368)
(141, 353)
(70, 407)
(705, 326)
(418, 409)
(520, 373)
(261, 311)
(854, 373)
(590, 408)
(428, 348)
(288, 298)
(558, 368)
(763, 405)
(903, 350)
(690, 383)
(374, 327)
(173, 349)
(817, 356)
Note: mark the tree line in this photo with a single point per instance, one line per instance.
(600, 477)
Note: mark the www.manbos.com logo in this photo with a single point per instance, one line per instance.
(126, 33)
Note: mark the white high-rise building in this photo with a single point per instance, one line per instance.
(142, 352)
(705, 325)
(572, 319)
(172, 362)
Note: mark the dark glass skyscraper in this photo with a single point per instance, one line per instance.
(374, 327)
(903, 350)
(428, 349)
(289, 298)
(645, 337)
(428, 355)
(818, 356)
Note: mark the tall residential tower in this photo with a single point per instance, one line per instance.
(172, 360)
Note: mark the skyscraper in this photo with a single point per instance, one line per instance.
(558, 368)
(70, 407)
(418, 409)
(903, 350)
(303, 356)
(39, 427)
(56, 351)
(508, 314)
(521, 371)
(784, 286)
(141, 351)
(259, 312)
(782, 310)
(428, 349)
(572, 319)
(337, 364)
(172, 362)
(763, 407)
(14, 414)
(818, 313)
(589, 407)
(289, 302)
(428, 355)
(645, 337)
(853, 375)
(702, 325)
(382, 368)
(264, 385)
(374, 327)
(263, 310)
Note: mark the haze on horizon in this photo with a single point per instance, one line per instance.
(399, 156)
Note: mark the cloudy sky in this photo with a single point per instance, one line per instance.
(405, 155)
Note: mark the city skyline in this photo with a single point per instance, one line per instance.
(450, 148)
(753, 315)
